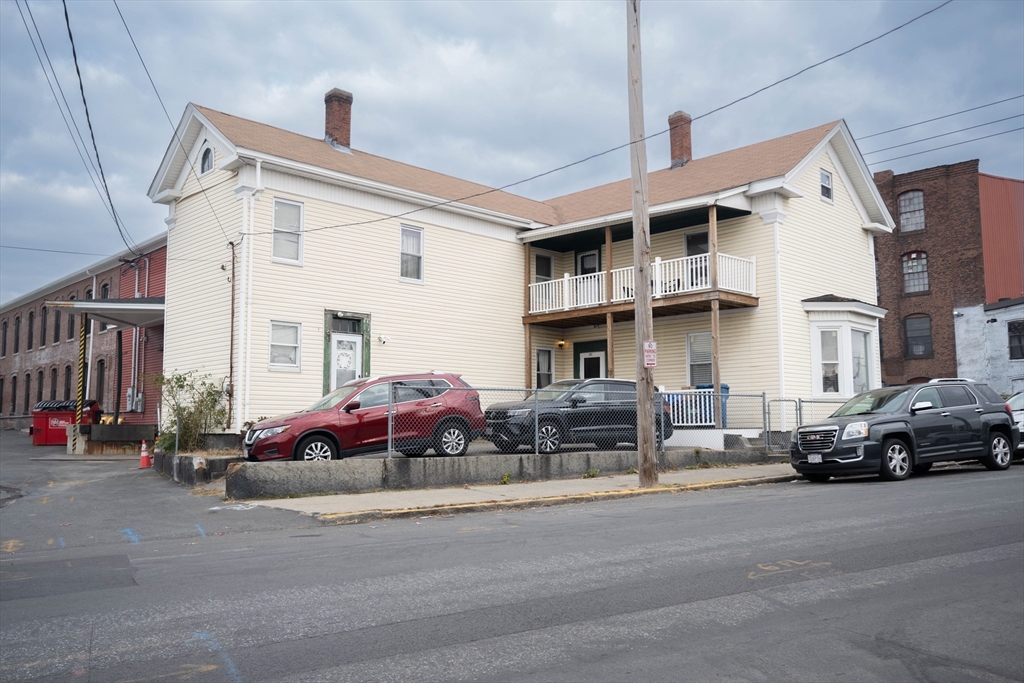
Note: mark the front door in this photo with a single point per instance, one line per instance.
(592, 365)
(346, 358)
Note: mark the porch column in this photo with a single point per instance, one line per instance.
(713, 275)
(608, 320)
(526, 311)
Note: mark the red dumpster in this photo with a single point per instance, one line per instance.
(49, 419)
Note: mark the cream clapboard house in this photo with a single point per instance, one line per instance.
(297, 263)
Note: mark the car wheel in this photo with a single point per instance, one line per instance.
(922, 468)
(316, 448)
(817, 478)
(451, 439)
(895, 460)
(605, 444)
(999, 454)
(549, 437)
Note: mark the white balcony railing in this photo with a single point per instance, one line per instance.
(668, 278)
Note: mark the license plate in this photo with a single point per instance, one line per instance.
(814, 458)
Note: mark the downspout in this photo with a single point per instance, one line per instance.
(778, 312)
(231, 343)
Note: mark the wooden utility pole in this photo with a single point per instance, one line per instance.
(645, 439)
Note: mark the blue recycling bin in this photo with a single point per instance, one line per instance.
(725, 401)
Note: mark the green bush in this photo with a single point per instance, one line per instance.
(193, 407)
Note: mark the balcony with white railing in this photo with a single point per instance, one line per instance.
(671, 278)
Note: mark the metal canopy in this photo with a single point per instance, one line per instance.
(147, 312)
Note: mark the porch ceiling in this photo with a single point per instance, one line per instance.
(594, 239)
(696, 302)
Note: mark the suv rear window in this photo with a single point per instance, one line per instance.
(987, 393)
(956, 396)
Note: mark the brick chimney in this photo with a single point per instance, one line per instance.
(679, 138)
(338, 126)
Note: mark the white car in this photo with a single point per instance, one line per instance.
(1016, 403)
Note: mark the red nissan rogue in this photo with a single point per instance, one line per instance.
(429, 410)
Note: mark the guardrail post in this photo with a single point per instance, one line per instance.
(391, 417)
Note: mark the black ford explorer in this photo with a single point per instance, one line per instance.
(902, 429)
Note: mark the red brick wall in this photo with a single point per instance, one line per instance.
(952, 240)
(151, 282)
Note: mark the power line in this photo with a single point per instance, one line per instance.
(626, 144)
(89, 253)
(942, 135)
(168, 117)
(121, 229)
(955, 144)
(57, 101)
(938, 118)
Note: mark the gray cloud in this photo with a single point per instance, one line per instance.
(492, 92)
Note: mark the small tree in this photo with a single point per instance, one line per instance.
(194, 409)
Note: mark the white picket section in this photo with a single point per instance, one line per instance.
(622, 284)
(736, 274)
(692, 408)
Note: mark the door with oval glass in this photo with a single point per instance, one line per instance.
(346, 358)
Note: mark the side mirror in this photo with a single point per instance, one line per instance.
(350, 406)
(921, 405)
(576, 400)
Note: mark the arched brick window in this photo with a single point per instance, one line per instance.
(917, 331)
(915, 272)
(56, 326)
(53, 384)
(43, 314)
(31, 330)
(911, 211)
(67, 382)
(17, 333)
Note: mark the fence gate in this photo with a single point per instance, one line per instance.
(782, 420)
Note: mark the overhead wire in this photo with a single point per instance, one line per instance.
(939, 118)
(942, 135)
(121, 228)
(623, 145)
(955, 144)
(168, 117)
(88, 253)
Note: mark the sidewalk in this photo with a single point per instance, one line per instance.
(359, 507)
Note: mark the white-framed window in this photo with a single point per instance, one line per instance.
(545, 367)
(412, 254)
(544, 268)
(285, 348)
(699, 358)
(826, 185)
(287, 247)
(842, 358)
(912, 211)
(206, 161)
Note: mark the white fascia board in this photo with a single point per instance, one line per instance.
(778, 185)
(846, 306)
(166, 197)
(733, 198)
(877, 228)
(373, 187)
(107, 263)
(191, 121)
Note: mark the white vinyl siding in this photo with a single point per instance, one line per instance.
(412, 254)
(287, 232)
(285, 346)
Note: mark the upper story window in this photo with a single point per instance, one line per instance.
(544, 271)
(88, 294)
(56, 326)
(284, 345)
(14, 394)
(206, 165)
(105, 291)
(43, 314)
(912, 211)
(53, 384)
(67, 382)
(17, 333)
(915, 272)
(31, 330)
(3, 341)
(1015, 329)
(918, 333)
(287, 247)
(826, 185)
(412, 254)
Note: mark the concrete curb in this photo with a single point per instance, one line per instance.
(524, 503)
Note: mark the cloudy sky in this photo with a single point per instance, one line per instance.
(489, 91)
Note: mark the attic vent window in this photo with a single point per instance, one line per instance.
(826, 186)
(207, 163)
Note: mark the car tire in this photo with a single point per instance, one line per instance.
(895, 460)
(921, 468)
(451, 439)
(817, 478)
(605, 444)
(314, 448)
(549, 437)
(999, 453)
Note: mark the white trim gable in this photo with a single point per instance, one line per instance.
(192, 130)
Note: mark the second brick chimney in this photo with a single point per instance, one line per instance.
(338, 125)
(679, 138)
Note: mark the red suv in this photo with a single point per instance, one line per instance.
(430, 410)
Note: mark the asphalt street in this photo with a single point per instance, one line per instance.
(109, 573)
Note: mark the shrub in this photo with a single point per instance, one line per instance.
(192, 408)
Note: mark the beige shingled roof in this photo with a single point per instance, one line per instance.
(259, 137)
(735, 168)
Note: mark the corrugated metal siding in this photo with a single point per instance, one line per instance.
(1002, 236)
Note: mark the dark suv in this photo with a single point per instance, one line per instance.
(430, 410)
(597, 411)
(899, 429)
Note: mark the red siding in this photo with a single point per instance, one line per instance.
(1002, 235)
(151, 339)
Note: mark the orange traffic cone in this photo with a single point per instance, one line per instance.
(144, 460)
